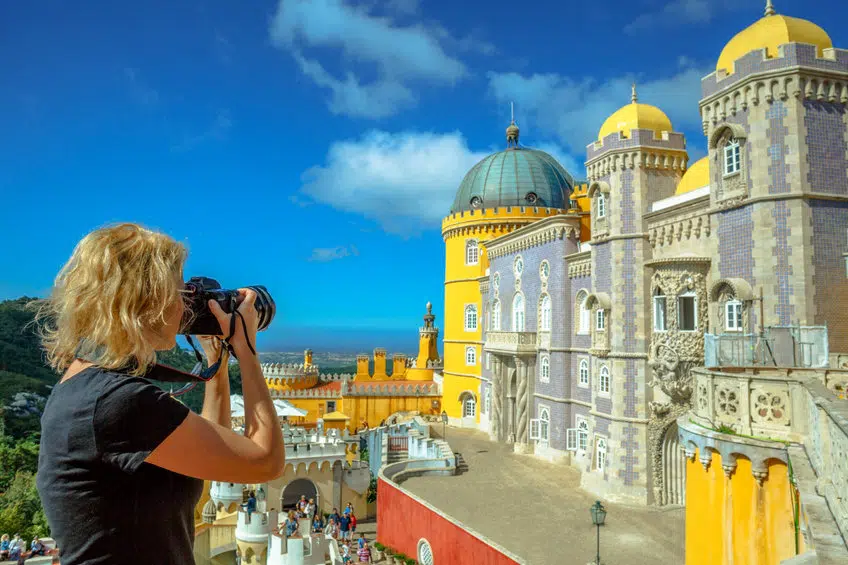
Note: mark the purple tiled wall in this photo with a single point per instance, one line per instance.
(560, 417)
(630, 459)
(827, 147)
(638, 137)
(602, 267)
(736, 244)
(628, 210)
(830, 241)
(783, 308)
(778, 149)
(582, 393)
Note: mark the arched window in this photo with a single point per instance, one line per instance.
(601, 455)
(544, 270)
(545, 311)
(733, 315)
(496, 315)
(472, 252)
(602, 205)
(469, 407)
(604, 381)
(659, 311)
(732, 157)
(518, 313)
(470, 355)
(582, 434)
(584, 372)
(544, 426)
(687, 312)
(488, 400)
(545, 370)
(471, 318)
(581, 313)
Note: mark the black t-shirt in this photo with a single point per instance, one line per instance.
(104, 504)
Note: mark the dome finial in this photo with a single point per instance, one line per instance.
(769, 8)
(512, 130)
(633, 97)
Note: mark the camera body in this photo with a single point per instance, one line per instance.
(199, 320)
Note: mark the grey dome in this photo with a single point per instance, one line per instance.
(517, 176)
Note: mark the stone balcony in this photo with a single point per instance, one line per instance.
(511, 343)
(767, 402)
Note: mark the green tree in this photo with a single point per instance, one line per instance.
(20, 508)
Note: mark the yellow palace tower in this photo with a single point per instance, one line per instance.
(503, 192)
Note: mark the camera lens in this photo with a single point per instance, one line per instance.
(265, 306)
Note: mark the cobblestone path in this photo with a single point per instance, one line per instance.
(537, 510)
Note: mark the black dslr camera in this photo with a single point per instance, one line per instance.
(199, 320)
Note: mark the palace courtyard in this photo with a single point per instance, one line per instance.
(537, 510)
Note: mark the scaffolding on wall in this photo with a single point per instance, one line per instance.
(776, 346)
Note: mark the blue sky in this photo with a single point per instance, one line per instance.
(313, 146)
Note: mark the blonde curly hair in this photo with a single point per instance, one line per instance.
(121, 285)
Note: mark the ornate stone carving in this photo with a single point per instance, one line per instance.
(521, 403)
(676, 384)
(727, 402)
(657, 427)
(497, 401)
(769, 406)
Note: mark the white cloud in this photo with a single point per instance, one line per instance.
(325, 254)
(572, 111)
(677, 12)
(404, 181)
(395, 55)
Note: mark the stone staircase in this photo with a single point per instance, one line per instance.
(395, 456)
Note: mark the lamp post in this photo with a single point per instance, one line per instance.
(444, 424)
(599, 514)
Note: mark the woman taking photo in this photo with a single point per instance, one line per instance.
(122, 463)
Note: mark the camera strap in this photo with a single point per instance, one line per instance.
(212, 370)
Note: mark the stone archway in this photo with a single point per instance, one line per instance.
(297, 488)
(673, 469)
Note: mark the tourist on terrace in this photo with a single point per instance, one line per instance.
(349, 508)
(345, 552)
(111, 439)
(344, 526)
(364, 553)
(250, 505)
(291, 523)
(318, 524)
(332, 528)
(310, 508)
(37, 548)
(352, 526)
(4, 547)
(361, 541)
(335, 515)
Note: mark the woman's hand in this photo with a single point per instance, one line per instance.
(239, 341)
(212, 348)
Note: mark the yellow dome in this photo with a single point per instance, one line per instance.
(696, 176)
(769, 32)
(635, 116)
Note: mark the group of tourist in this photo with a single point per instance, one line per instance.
(14, 549)
(340, 527)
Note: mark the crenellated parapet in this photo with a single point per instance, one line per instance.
(563, 226)
(493, 220)
(317, 392)
(288, 370)
(796, 73)
(391, 388)
(641, 149)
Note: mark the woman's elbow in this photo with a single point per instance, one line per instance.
(272, 466)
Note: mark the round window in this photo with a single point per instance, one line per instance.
(476, 202)
(545, 269)
(531, 198)
(497, 280)
(425, 553)
(519, 266)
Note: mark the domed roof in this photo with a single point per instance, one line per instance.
(635, 116)
(209, 511)
(696, 176)
(767, 33)
(517, 176)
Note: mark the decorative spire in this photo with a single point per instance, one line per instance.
(633, 97)
(769, 8)
(512, 130)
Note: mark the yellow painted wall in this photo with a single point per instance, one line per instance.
(462, 287)
(376, 409)
(735, 521)
(322, 477)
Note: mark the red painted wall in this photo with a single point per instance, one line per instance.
(402, 521)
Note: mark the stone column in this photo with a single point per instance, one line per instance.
(522, 413)
(495, 424)
(510, 406)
